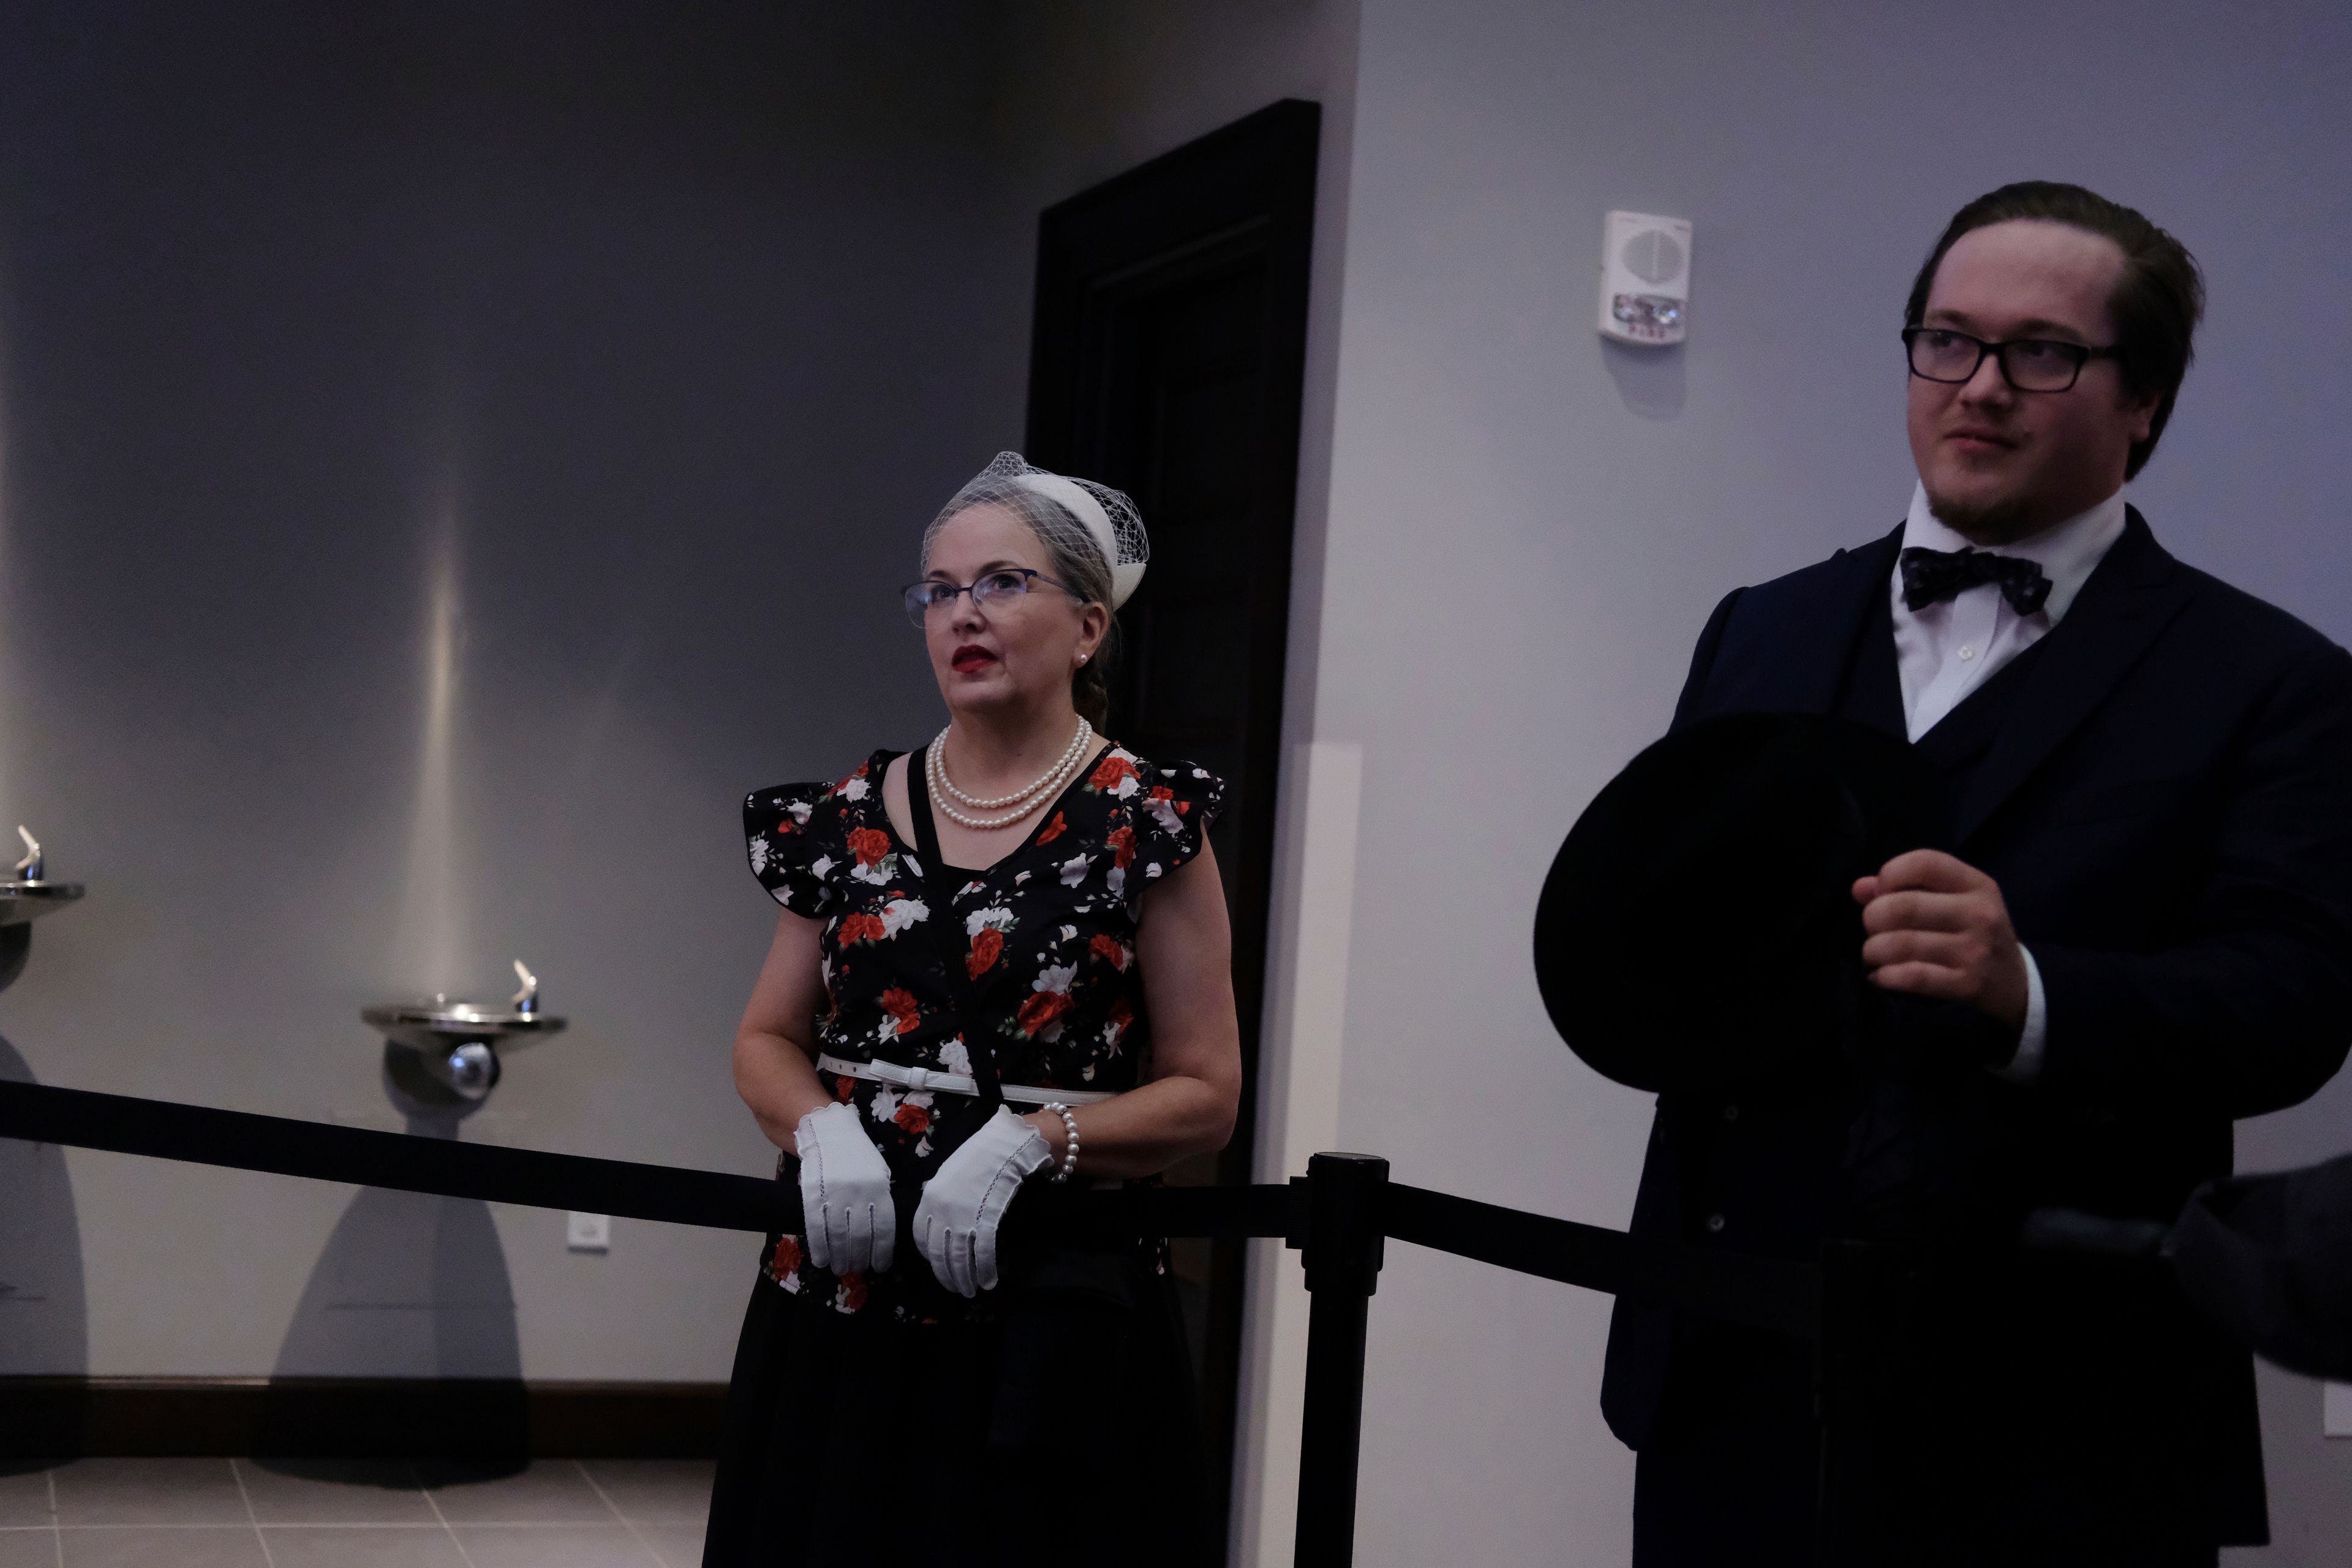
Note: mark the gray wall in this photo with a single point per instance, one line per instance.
(1527, 529)
(608, 368)
(444, 459)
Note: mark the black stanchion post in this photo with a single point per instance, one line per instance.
(1343, 1245)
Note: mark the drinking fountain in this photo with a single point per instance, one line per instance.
(32, 894)
(24, 899)
(454, 1047)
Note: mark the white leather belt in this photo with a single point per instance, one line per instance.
(922, 1079)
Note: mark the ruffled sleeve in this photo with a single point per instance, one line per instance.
(786, 828)
(1172, 811)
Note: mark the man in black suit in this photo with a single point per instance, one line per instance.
(2146, 907)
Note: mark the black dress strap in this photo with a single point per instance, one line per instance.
(939, 882)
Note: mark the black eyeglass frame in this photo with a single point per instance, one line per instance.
(917, 609)
(2082, 354)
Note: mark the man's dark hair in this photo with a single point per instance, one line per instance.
(2158, 301)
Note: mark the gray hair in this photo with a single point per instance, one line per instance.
(1075, 560)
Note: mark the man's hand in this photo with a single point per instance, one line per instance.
(1939, 928)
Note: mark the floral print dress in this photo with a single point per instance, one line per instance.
(1031, 960)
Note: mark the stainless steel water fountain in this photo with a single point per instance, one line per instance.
(24, 899)
(31, 894)
(457, 1044)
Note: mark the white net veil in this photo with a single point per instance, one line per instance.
(1092, 529)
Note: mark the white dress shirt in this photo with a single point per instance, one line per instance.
(1946, 651)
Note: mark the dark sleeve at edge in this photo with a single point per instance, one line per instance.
(2251, 1009)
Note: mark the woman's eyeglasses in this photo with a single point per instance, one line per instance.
(999, 590)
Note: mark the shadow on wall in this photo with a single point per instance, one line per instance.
(410, 1285)
(44, 1314)
(1649, 380)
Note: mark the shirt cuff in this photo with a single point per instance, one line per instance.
(2033, 1040)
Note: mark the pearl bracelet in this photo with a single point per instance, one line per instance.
(1070, 1154)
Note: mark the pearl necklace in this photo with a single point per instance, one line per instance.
(1025, 802)
(1077, 744)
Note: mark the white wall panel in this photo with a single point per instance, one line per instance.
(1528, 528)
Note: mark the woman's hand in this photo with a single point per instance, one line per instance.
(845, 1209)
(964, 1203)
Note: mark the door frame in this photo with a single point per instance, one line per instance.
(1249, 187)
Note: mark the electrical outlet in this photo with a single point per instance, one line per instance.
(588, 1232)
(2336, 1410)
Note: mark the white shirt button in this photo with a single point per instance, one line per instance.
(1967, 651)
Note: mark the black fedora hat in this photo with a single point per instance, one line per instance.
(1699, 930)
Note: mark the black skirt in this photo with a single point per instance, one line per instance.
(1065, 1427)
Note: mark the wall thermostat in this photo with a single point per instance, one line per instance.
(1645, 277)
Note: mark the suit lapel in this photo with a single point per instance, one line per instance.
(1809, 665)
(2130, 598)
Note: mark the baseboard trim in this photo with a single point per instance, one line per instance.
(357, 1417)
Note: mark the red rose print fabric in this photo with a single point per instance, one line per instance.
(868, 846)
(1037, 957)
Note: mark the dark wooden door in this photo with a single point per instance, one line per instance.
(1168, 354)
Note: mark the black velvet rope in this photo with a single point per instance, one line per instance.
(42, 1114)
(1763, 1292)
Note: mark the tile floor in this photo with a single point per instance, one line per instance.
(254, 1514)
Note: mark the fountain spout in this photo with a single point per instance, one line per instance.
(25, 896)
(26, 891)
(447, 1052)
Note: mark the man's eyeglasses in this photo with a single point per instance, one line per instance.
(999, 590)
(2028, 364)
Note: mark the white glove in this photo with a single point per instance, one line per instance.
(845, 1193)
(955, 1225)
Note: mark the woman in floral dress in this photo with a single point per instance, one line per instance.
(1002, 960)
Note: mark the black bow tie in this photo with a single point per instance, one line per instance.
(1932, 576)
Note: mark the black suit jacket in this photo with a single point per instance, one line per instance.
(2167, 809)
